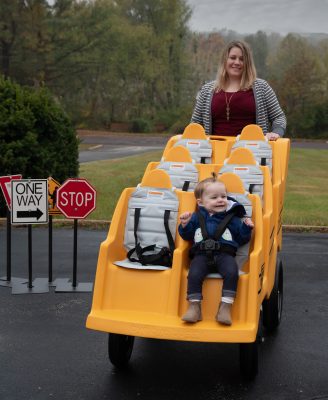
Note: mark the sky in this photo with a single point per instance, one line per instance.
(250, 16)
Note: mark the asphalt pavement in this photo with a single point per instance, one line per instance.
(47, 353)
(111, 146)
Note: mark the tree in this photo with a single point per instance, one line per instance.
(259, 45)
(37, 139)
(297, 75)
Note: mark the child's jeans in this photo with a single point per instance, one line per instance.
(225, 265)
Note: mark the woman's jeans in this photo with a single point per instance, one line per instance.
(225, 265)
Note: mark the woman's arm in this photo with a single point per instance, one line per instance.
(275, 113)
(197, 115)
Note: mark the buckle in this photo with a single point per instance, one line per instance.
(210, 244)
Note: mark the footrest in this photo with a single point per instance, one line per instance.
(135, 265)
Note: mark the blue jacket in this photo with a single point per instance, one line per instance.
(236, 234)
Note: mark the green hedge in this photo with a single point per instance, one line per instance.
(37, 138)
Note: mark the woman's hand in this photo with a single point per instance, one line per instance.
(272, 136)
(185, 218)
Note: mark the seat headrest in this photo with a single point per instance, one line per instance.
(178, 154)
(194, 131)
(241, 156)
(232, 182)
(157, 178)
(252, 132)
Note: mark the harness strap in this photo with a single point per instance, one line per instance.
(221, 228)
(185, 186)
(136, 223)
(212, 245)
(202, 225)
(167, 230)
(251, 188)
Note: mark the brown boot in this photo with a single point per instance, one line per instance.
(224, 314)
(194, 312)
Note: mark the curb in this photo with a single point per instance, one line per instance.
(104, 224)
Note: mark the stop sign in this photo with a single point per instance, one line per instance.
(76, 198)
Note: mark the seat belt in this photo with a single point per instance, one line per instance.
(185, 186)
(209, 245)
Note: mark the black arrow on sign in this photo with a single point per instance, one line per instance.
(30, 214)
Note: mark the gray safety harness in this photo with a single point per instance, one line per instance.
(211, 246)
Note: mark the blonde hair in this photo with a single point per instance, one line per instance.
(201, 186)
(249, 72)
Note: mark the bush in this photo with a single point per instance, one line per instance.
(141, 125)
(175, 120)
(37, 138)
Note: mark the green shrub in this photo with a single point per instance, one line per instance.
(37, 138)
(141, 125)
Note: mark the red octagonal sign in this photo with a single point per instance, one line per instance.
(76, 198)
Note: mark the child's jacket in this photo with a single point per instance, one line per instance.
(236, 234)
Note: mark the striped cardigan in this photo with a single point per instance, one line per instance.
(269, 115)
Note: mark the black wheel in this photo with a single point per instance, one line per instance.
(248, 355)
(272, 307)
(120, 349)
(248, 358)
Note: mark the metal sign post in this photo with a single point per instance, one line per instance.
(5, 184)
(53, 186)
(76, 198)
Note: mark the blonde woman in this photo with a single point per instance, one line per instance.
(238, 98)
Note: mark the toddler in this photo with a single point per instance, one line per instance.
(217, 254)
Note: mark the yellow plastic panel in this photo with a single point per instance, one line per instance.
(194, 131)
(171, 142)
(206, 170)
(241, 156)
(178, 154)
(232, 182)
(221, 147)
(157, 179)
(252, 132)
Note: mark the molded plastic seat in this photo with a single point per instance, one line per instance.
(252, 138)
(242, 163)
(197, 142)
(179, 165)
(153, 198)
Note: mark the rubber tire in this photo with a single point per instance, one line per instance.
(248, 354)
(248, 359)
(272, 307)
(120, 349)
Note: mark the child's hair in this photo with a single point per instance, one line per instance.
(201, 186)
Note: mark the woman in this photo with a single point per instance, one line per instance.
(237, 98)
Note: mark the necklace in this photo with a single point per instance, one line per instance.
(228, 104)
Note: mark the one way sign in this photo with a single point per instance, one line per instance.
(29, 201)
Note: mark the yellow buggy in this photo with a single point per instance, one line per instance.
(147, 299)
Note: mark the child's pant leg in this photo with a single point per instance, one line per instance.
(197, 273)
(228, 268)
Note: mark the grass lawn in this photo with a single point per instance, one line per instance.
(306, 196)
(110, 177)
(305, 199)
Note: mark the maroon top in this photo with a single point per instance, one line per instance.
(242, 112)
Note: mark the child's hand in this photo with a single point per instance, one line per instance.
(247, 221)
(185, 218)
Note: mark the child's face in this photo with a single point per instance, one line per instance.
(214, 198)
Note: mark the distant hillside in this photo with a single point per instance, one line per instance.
(313, 37)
